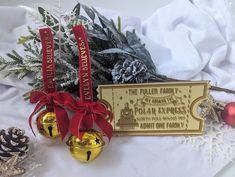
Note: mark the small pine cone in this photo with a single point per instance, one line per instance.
(130, 71)
(13, 142)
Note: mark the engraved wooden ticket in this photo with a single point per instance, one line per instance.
(169, 108)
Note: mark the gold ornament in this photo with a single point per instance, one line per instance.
(47, 126)
(88, 148)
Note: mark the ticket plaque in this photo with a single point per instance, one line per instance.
(168, 108)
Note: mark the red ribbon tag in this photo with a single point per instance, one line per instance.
(48, 65)
(84, 65)
(53, 100)
(87, 112)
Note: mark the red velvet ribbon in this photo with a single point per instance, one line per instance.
(87, 112)
(48, 65)
(57, 100)
(50, 98)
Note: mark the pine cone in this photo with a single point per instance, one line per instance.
(130, 71)
(13, 142)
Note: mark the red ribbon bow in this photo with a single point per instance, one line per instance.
(86, 114)
(55, 101)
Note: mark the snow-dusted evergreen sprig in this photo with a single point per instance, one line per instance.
(18, 65)
(108, 45)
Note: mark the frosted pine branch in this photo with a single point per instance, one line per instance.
(102, 35)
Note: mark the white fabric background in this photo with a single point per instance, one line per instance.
(187, 40)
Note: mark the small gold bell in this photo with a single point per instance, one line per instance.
(46, 124)
(88, 148)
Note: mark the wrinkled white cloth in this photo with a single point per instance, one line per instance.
(187, 40)
(196, 40)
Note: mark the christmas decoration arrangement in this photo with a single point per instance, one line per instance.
(77, 51)
(85, 143)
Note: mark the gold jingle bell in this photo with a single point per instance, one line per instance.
(88, 148)
(46, 124)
